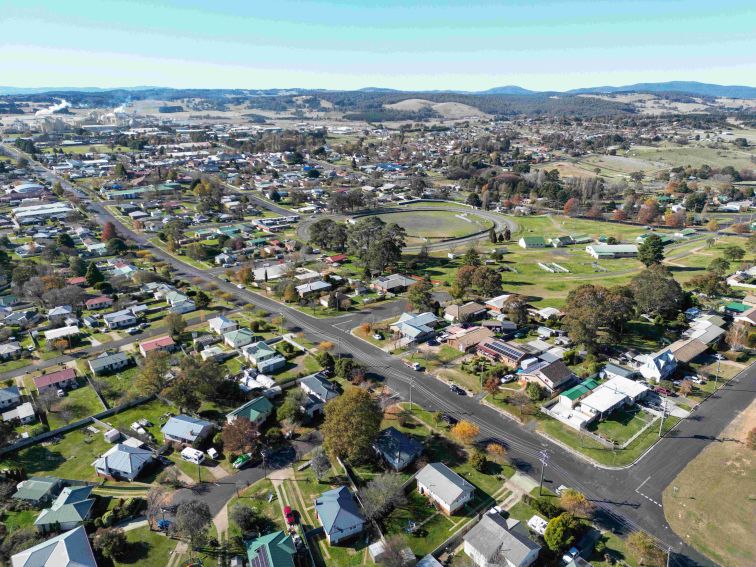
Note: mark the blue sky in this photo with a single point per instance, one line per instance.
(344, 44)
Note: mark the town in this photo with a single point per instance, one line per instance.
(330, 297)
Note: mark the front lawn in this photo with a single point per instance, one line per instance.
(257, 497)
(146, 549)
(77, 404)
(622, 424)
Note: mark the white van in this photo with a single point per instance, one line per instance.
(192, 455)
(212, 453)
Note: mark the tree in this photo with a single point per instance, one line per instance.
(651, 251)
(571, 207)
(110, 542)
(590, 309)
(751, 439)
(291, 408)
(184, 392)
(175, 323)
(656, 292)
(519, 399)
(320, 464)
(419, 295)
(712, 225)
(193, 518)
(487, 280)
(201, 300)
(290, 294)
(575, 503)
(643, 547)
(94, 275)
(686, 387)
(561, 531)
(116, 246)
(516, 308)
(465, 431)
(737, 335)
(471, 257)
(358, 414)
(534, 392)
(393, 554)
(477, 460)
(108, 231)
(492, 235)
(719, 266)
(473, 200)
(152, 376)
(155, 498)
(733, 253)
(240, 436)
(381, 495)
(496, 452)
(708, 283)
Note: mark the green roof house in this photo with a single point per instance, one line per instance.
(256, 411)
(39, 490)
(276, 549)
(70, 509)
(570, 397)
(532, 242)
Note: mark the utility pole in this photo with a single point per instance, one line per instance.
(543, 456)
(716, 376)
(410, 390)
(669, 552)
(661, 421)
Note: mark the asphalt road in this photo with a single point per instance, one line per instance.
(627, 499)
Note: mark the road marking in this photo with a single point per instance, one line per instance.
(637, 491)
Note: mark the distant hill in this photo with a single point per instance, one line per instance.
(688, 87)
(509, 89)
(40, 90)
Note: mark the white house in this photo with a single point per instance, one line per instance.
(496, 542)
(221, 325)
(445, 487)
(122, 462)
(658, 366)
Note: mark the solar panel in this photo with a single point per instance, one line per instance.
(503, 349)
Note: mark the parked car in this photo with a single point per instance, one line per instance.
(570, 555)
(291, 518)
(61, 393)
(663, 391)
(242, 461)
(240, 286)
(457, 390)
(212, 453)
(192, 455)
(507, 378)
(377, 336)
(450, 419)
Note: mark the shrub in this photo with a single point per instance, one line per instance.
(107, 519)
(477, 460)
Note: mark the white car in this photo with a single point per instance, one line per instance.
(240, 286)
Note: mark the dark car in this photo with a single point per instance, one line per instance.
(450, 419)
(663, 391)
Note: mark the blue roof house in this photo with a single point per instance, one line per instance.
(339, 514)
(186, 429)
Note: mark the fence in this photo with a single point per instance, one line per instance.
(18, 445)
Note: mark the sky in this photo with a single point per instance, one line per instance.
(350, 44)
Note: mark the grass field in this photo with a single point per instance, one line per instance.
(711, 505)
(77, 404)
(256, 497)
(422, 226)
(146, 548)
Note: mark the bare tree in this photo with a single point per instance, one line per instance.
(155, 498)
(320, 463)
(381, 495)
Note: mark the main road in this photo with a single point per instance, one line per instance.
(627, 498)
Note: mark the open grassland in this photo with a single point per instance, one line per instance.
(711, 504)
(672, 155)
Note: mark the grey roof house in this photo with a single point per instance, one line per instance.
(9, 397)
(396, 448)
(445, 487)
(339, 514)
(186, 429)
(106, 363)
(122, 462)
(38, 490)
(494, 542)
(69, 549)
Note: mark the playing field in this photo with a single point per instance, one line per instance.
(432, 226)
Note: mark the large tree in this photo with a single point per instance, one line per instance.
(193, 518)
(656, 292)
(152, 375)
(110, 542)
(651, 250)
(352, 422)
(381, 495)
(239, 436)
(561, 531)
(419, 295)
(594, 314)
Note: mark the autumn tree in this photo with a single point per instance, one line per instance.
(571, 207)
(239, 436)
(465, 431)
(686, 387)
(175, 323)
(496, 452)
(737, 335)
(108, 231)
(357, 413)
(644, 549)
(575, 503)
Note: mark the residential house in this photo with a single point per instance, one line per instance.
(10, 350)
(221, 325)
(337, 259)
(553, 376)
(612, 370)
(470, 311)
(69, 549)
(503, 327)
(69, 510)
(22, 318)
(107, 363)
(62, 379)
(658, 366)
(445, 487)
(24, 413)
(264, 357)
(10, 397)
(468, 339)
(181, 307)
(122, 462)
(496, 542)
(397, 448)
(500, 351)
(186, 429)
(416, 328)
(319, 391)
(58, 314)
(532, 242)
(238, 338)
(276, 549)
(38, 490)
(312, 288)
(256, 411)
(67, 332)
(158, 344)
(339, 515)
(120, 319)
(496, 304)
(100, 302)
(615, 393)
(394, 283)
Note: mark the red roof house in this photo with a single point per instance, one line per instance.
(60, 379)
(160, 343)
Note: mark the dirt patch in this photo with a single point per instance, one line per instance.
(712, 502)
